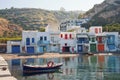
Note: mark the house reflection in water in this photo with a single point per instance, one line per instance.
(69, 66)
(98, 67)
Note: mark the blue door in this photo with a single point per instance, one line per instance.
(30, 49)
(80, 48)
(41, 49)
(16, 49)
(111, 47)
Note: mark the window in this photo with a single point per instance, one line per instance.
(33, 40)
(61, 36)
(99, 39)
(96, 30)
(70, 36)
(41, 38)
(52, 38)
(93, 39)
(45, 38)
(66, 37)
(65, 44)
(100, 30)
(27, 41)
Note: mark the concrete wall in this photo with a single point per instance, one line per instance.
(11, 43)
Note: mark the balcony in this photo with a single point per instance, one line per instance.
(54, 42)
(110, 42)
(82, 42)
(43, 42)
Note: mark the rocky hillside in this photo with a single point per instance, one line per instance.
(8, 29)
(32, 19)
(107, 12)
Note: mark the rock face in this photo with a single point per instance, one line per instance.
(105, 13)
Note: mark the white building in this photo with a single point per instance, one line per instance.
(35, 42)
(54, 42)
(82, 40)
(67, 42)
(29, 41)
(70, 24)
(14, 47)
(95, 29)
(43, 42)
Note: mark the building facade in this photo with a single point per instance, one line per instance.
(79, 41)
(112, 41)
(69, 24)
(67, 42)
(54, 42)
(82, 40)
(14, 47)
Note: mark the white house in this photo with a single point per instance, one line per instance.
(67, 42)
(29, 41)
(71, 23)
(92, 42)
(14, 47)
(35, 42)
(95, 29)
(54, 42)
(82, 40)
(43, 42)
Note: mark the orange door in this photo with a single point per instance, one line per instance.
(101, 47)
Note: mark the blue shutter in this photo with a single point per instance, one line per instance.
(33, 40)
(27, 41)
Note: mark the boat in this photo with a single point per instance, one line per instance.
(50, 67)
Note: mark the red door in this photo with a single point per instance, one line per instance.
(101, 47)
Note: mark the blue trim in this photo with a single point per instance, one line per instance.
(45, 38)
(16, 49)
(30, 49)
(80, 48)
(33, 40)
(27, 41)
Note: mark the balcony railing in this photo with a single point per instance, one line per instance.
(43, 42)
(82, 42)
(54, 42)
(110, 42)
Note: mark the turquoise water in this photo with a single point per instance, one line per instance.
(84, 67)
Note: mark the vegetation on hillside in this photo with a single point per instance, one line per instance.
(112, 28)
(8, 29)
(33, 19)
(4, 40)
(105, 13)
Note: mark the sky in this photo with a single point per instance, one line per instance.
(68, 5)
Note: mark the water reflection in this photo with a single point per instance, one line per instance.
(99, 67)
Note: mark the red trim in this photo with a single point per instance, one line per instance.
(66, 37)
(100, 31)
(61, 35)
(96, 30)
(70, 36)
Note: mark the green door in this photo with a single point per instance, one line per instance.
(92, 47)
